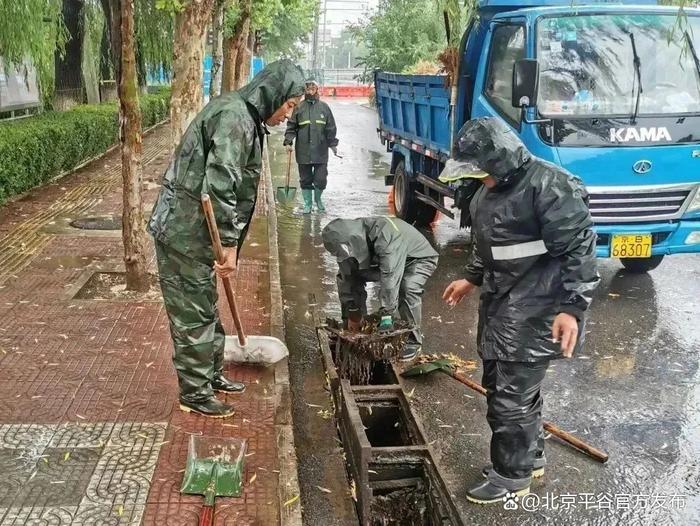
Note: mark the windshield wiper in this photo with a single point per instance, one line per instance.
(638, 72)
(693, 51)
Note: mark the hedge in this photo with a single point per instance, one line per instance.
(37, 149)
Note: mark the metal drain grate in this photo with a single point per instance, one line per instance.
(98, 223)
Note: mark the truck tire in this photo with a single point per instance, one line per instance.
(406, 205)
(641, 265)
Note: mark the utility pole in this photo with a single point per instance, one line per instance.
(325, 43)
(314, 50)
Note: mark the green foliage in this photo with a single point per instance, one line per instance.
(154, 32)
(33, 30)
(37, 149)
(283, 24)
(289, 28)
(399, 34)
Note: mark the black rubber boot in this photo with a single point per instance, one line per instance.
(223, 385)
(537, 468)
(411, 352)
(211, 407)
(489, 493)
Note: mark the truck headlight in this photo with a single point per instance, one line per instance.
(695, 203)
(693, 238)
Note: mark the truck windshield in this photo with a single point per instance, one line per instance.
(589, 65)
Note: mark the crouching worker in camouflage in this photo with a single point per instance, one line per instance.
(387, 250)
(220, 154)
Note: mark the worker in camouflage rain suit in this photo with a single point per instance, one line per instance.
(312, 126)
(533, 256)
(387, 250)
(220, 154)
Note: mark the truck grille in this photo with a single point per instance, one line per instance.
(611, 206)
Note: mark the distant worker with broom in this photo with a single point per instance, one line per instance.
(220, 154)
(533, 256)
(385, 250)
(313, 128)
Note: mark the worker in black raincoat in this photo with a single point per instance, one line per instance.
(385, 250)
(220, 154)
(533, 256)
(312, 129)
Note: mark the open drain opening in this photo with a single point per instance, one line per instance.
(382, 374)
(401, 500)
(98, 223)
(385, 424)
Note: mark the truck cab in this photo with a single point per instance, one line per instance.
(610, 92)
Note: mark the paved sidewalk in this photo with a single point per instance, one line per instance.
(90, 432)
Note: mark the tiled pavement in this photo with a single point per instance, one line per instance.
(90, 432)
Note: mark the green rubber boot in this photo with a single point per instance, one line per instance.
(317, 198)
(307, 194)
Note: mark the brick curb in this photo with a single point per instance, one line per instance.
(290, 515)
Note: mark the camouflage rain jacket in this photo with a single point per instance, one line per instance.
(221, 154)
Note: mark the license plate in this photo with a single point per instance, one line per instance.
(631, 246)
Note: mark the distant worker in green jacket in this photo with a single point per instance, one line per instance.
(313, 128)
(385, 250)
(220, 154)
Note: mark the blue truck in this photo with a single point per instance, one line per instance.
(609, 91)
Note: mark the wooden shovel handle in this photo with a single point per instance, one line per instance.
(206, 516)
(597, 454)
(219, 255)
(289, 166)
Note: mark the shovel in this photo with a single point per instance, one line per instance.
(286, 194)
(448, 368)
(245, 349)
(214, 469)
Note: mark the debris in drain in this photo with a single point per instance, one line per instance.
(401, 507)
(112, 286)
(98, 223)
(356, 353)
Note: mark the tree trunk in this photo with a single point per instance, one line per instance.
(133, 226)
(188, 55)
(141, 71)
(243, 58)
(234, 45)
(228, 77)
(218, 49)
(68, 68)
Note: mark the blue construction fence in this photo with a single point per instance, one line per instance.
(159, 76)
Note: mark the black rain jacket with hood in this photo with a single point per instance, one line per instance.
(533, 251)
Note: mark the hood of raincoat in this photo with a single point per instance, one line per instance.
(345, 239)
(273, 86)
(493, 147)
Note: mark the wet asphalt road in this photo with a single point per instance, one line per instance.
(634, 391)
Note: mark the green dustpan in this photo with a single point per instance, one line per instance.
(286, 194)
(214, 469)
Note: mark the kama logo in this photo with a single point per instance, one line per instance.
(510, 501)
(640, 134)
(642, 167)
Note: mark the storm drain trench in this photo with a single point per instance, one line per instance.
(390, 463)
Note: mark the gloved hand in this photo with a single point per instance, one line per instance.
(334, 149)
(386, 325)
(354, 319)
(288, 147)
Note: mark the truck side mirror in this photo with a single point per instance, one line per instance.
(526, 76)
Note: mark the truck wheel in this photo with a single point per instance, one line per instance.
(641, 265)
(407, 207)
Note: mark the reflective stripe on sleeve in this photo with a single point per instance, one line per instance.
(302, 123)
(521, 250)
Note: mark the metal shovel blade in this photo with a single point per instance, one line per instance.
(214, 467)
(286, 194)
(261, 350)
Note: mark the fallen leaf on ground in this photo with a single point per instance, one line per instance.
(292, 500)
(324, 490)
